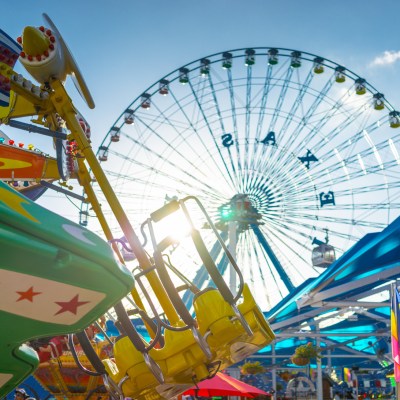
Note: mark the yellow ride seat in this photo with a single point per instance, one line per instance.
(224, 332)
(181, 361)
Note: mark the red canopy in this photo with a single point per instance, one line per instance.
(223, 385)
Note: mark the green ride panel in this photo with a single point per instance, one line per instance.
(56, 277)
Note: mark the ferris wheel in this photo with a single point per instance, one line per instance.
(285, 149)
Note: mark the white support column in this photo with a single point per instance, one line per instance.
(232, 248)
(329, 358)
(274, 372)
(329, 369)
(319, 371)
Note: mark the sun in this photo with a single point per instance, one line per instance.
(175, 227)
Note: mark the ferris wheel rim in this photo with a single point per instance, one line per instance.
(153, 88)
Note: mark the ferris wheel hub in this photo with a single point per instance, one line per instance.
(239, 210)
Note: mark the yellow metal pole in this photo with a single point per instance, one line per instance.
(85, 180)
(64, 107)
(29, 104)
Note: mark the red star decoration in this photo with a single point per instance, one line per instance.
(71, 306)
(28, 295)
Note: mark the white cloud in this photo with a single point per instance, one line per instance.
(388, 57)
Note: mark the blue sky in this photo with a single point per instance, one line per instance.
(124, 46)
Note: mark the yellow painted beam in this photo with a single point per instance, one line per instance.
(65, 109)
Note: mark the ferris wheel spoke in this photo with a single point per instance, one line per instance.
(347, 122)
(191, 126)
(258, 257)
(228, 137)
(354, 170)
(283, 245)
(254, 246)
(192, 180)
(257, 149)
(246, 255)
(377, 187)
(236, 170)
(122, 194)
(280, 241)
(304, 229)
(344, 221)
(263, 106)
(261, 264)
(320, 120)
(268, 141)
(278, 286)
(247, 126)
(281, 98)
(281, 271)
(173, 125)
(315, 104)
(297, 141)
(313, 154)
(361, 171)
(358, 139)
(210, 131)
(296, 105)
(304, 120)
(154, 154)
(363, 211)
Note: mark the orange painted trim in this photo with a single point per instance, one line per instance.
(22, 164)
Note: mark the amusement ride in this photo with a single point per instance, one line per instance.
(61, 292)
(245, 173)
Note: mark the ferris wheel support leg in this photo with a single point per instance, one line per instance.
(64, 107)
(274, 259)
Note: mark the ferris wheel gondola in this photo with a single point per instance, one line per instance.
(323, 255)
